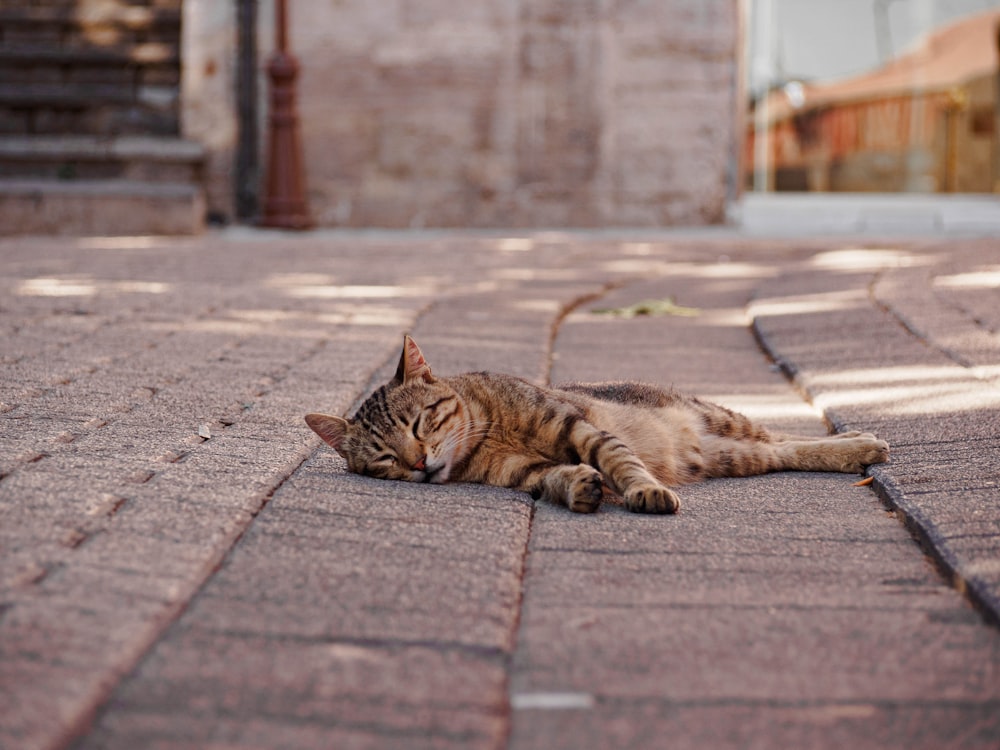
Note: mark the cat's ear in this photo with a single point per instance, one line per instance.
(331, 429)
(412, 364)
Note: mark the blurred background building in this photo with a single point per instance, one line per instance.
(121, 116)
(904, 103)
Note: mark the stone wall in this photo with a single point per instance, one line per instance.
(517, 113)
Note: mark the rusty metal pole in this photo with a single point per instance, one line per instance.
(284, 194)
(995, 139)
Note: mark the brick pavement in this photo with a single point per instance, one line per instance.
(182, 565)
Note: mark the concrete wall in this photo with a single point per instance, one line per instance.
(509, 113)
(208, 94)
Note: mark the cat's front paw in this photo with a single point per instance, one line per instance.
(585, 490)
(652, 499)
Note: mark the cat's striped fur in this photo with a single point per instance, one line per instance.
(567, 444)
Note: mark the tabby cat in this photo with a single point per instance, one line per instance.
(567, 444)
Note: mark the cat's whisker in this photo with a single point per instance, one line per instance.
(461, 437)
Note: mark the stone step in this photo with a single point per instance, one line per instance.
(100, 207)
(53, 21)
(101, 68)
(34, 56)
(75, 95)
(148, 158)
(96, 108)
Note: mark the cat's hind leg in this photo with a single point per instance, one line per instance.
(781, 437)
(624, 472)
(730, 457)
(845, 454)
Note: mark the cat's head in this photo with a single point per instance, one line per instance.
(412, 428)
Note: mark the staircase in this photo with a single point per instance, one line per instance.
(89, 120)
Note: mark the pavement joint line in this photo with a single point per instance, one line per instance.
(571, 307)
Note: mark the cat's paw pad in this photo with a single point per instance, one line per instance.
(876, 452)
(866, 449)
(585, 490)
(872, 450)
(652, 499)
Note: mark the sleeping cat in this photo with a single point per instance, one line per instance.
(567, 444)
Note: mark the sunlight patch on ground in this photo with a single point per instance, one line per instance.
(55, 287)
(536, 274)
(301, 279)
(140, 287)
(727, 270)
(812, 303)
(886, 376)
(723, 317)
(49, 287)
(864, 259)
(675, 270)
(135, 242)
(310, 323)
(293, 324)
(324, 286)
(357, 291)
(764, 408)
(985, 278)
(905, 390)
(374, 317)
(536, 240)
(515, 244)
(986, 372)
(914, 399)
(539, 305)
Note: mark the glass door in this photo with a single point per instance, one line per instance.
(888, 96)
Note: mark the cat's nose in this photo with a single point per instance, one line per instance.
(420, 464)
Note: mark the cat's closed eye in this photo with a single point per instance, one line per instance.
(440, 412)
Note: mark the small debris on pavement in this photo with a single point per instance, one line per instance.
(649, 307)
